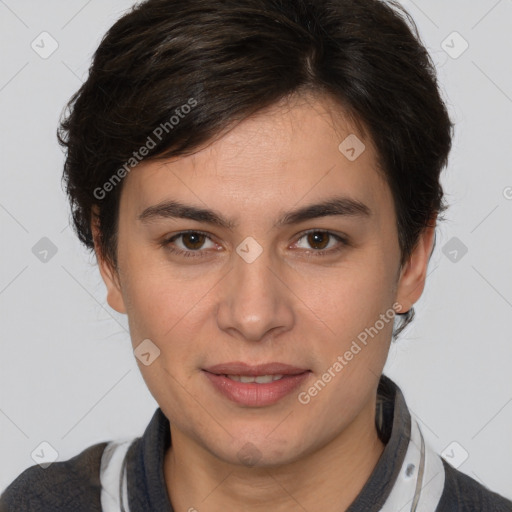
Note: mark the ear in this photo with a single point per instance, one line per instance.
(414, 272)
(108, 273)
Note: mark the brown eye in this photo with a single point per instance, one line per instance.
(193, 241)
(318, 239)
(188, 244)
(322, 243)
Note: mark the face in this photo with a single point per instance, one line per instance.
(262, 278)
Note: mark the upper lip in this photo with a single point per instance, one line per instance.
(239, 368)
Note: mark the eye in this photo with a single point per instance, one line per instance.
(192, 242)
(320, 241)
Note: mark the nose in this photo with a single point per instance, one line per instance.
(255, 300)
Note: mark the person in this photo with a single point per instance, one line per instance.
(260, 182)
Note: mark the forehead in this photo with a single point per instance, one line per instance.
(296, 151)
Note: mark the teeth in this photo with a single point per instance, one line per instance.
(260, 379)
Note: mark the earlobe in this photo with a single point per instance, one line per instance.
(108, 273)
(413, 275)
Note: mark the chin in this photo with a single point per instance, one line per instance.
(259, 452)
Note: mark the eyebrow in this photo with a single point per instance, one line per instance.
(341, 206)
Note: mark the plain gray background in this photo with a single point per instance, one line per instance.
(68, 376)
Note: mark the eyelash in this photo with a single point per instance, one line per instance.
(200, 253)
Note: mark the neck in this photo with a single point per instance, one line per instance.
(328, 479)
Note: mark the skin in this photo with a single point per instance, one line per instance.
(289, 305)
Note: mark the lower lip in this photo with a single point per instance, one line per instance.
(256, 395)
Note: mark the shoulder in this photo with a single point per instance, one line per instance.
(73, 484)
(464, 494)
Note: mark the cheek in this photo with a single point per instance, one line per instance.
(351, 297)
(161, 308)
(355, 332)
(157, 296)
(357, 319)
(156, 309)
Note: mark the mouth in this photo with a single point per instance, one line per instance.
(259, 379)
(255, 386)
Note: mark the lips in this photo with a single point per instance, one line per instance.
(255, 386)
